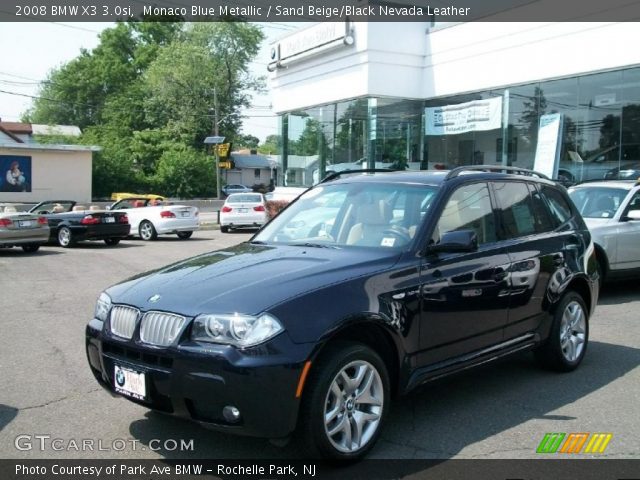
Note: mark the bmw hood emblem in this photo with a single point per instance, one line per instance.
(154, 298)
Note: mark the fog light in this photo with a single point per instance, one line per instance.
(231, 414)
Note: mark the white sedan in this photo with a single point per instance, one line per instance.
(150, 218)
(243, 210)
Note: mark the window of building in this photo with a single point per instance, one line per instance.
(256, 173)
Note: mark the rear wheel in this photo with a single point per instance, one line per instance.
(345, 403)
(147, 231)
(567, 343)
(31, 248)
(224, 229)
(112, 242)
(184, 235)
(65, 237)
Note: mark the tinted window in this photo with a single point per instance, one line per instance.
(544, 223)
(469, 208)
(560, 209)
(516, 209)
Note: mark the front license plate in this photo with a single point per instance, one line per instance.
(185, 214)
(243, 210)
(109, 220)
(129, 383)
(25, 223)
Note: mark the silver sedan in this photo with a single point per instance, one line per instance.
(22, 229)
(611, 210)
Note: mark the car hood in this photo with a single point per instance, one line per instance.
(247, 278)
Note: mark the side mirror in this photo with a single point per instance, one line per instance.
(456, 241)
(632, 215)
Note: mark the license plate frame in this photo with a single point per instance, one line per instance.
(25, 223)
(130, 383)
(184, 214)
(243, 210)
(109, 220)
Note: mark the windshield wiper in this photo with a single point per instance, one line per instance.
(313, 245)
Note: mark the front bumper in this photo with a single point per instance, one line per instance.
(196, 381)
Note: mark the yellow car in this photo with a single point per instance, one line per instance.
(150, 196)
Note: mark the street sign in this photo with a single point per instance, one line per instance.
(224, 149)
(225, 164)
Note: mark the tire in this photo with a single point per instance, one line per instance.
(224, 229)
(111, 242)
(567, 343)
(335, 438)
(147, 231)
(65, 237)
(184, 235)
(30, 248)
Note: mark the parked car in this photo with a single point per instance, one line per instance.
(628, 171)
(71, 223)
(243, 210)
(150, 218)
(235, 188)
(611, 210)
(417, 275)
(147, 196)
(599, 165)
(22, 229)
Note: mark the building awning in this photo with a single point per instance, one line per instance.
(55, 147)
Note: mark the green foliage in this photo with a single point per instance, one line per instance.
(271, 146)
(247, 141)
(145, 95)
(185, 173)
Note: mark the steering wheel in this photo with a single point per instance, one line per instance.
(398, 231)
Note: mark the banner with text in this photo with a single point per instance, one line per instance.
(474, 116)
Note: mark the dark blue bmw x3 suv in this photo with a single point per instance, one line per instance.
(366, 286)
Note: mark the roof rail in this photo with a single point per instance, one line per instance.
(494, 168)
(334, 175)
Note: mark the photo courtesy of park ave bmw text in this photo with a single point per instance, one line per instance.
(323, 239)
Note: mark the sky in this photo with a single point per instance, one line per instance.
(36, 48)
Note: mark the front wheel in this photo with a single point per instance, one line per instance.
(30, 248)
(112, 242)
(184, 235)
(147, 231)
(345, 403)
(65, 237)
(567, 343)
(224, 229)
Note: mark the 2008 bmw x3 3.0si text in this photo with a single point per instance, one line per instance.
(389, 280)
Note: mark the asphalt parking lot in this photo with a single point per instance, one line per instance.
(500, 411)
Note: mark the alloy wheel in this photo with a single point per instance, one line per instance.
(353, 406)
(572, 331)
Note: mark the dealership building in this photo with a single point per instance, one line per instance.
(563, 98)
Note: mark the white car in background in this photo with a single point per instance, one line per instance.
(243, 210)
(149, 218)
(611, 210)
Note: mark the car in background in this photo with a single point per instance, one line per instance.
(243, 210)
(611, 210)
(71, 223)
(150, 217)
(629, 171)
(419, 275)
(600, 165)
(22, 229)
(147, 196)
(235, 188)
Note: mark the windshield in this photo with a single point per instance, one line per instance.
(598, 202)
(352, 214)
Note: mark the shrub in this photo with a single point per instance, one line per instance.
(274, 207)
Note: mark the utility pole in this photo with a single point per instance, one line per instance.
(215, 132)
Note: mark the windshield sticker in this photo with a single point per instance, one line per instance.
(388, 242)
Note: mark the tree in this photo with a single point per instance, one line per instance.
(247, 141)
(185, 173)
(271, 146)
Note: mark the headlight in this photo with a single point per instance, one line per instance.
(103, 305)
(238, 330)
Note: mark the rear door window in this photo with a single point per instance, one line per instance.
(558, 205)
(516, 207)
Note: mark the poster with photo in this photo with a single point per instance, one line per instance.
(15, 173)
